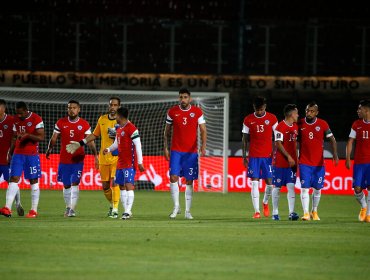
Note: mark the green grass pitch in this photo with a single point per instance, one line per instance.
(222, 242)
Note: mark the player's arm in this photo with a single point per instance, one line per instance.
(74, 145)
(279, 138)
(245, 148)
(349, 146)
(37, 136)
(12, 146)
(333, 144)
(111, 148)
(203, 137)
(166, 137)
(52, 142)
(136, 140)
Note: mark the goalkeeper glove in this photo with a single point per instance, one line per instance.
(73, 146)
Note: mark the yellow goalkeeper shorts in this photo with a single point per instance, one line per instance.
(107, 172)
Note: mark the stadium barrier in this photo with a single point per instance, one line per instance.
(338, 180)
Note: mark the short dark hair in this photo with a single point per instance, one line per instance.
(365, 103)
(312, 104)
(259, 101)
(115, 98)
(74, 102)
(21, 105)
(289, 108)
(122, 112)
(184, 90)
(2, 102)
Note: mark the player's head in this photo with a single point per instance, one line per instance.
(114, 104)
(122, 115)
(2, 106)
(259, 106)
(21, 110)
(291, 112)
(363, 108)
(73, 109)
(184, 98)
(312, 110)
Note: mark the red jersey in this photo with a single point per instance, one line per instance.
(6, 135)
(185, 128)
(361, 132)
(260, 134)
(287, 134)
(71, 130)
(28, 125)
(126, 148)
(311, 141)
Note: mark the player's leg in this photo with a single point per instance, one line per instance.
(120, 181)
(358, 185)
(5, 172)
(318, 177)
(75, 191)
(64, 176)
(105, 176)
(305, 176)
(291, 178)
(190, 172)
(175, 172)
(266, 170)
(129, 177)
(32, 172)
(277, 182)
(367, 182)
(254, 174)
(116, 192)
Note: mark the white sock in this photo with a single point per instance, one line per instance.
(35, 196)
(67, 196)
(368, 205)
(11, 192)
(316, 195)
(305, 199)
(267, 195)
(124, 199)
(360, 197)
(255, 193)
(130, 201)
(188, 197)
(275, 200)
(291, 197)
(74, 196)
(175, 194)
(18, 198)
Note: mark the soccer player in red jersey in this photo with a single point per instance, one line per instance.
(360, 133)
(185, 120)
(127, 136)
(285, 167)
(6, 135)
(257, 141)
(70, 128)
(312, 132)
(28, 132)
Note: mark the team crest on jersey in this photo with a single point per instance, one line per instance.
(29, 123)
(79, 127)
(267, 122)
(5, 126)
(317, 128)
(122, 133)
(192, 115)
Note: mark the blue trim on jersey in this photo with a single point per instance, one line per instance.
(184, 165)
(125, 176)
(361, 175)
(70, 173)
(260, 168)
(312, 176)
(5, 172)
(29, 164)
(284, 176)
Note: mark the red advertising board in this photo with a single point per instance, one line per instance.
(338, 179)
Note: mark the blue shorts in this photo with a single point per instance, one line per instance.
(184, 165)
(260, 168)
(312, 176)
(125, 176)
(70, 173)
(29, 164)
(284, 176)
(361, 175)
(4, 171)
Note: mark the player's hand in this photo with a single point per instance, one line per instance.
(96, 163)
(141, 167)
(72, 147)
(166, 154)
(9, 157)
(245, 162)
(22, 137)
(48, 153)
(202, 151)
(291, 161)
(106, 151)
(348, 163)
(335, 160)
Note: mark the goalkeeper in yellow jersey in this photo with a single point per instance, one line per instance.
(106, 129)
